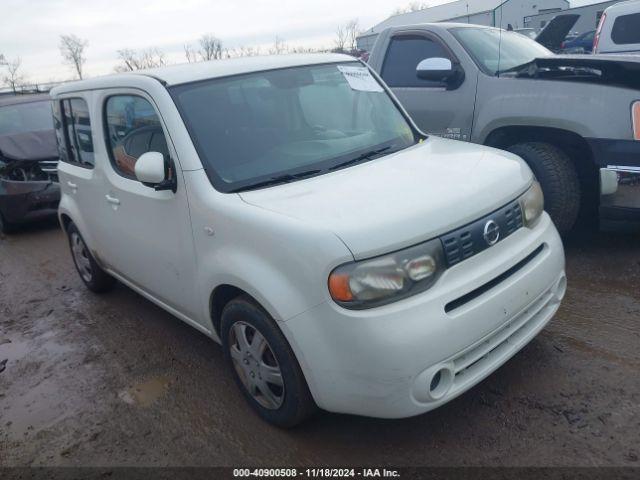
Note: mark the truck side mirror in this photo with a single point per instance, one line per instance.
(151, 171)
(439, 69)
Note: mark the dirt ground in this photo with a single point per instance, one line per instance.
(114, 380)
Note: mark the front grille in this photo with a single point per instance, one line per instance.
(469, 240)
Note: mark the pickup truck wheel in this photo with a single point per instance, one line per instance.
(263, 364)
(94, 277)
(558, 179)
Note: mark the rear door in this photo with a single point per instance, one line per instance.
(434, 108)
(76, 169)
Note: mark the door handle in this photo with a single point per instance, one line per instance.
(72, 185)
(112, 200)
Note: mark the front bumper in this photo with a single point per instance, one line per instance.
(382, 362)
(619, 162)
(26, 201)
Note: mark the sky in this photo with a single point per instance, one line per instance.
(30, 29)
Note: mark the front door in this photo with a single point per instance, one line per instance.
(436, 110)
(145, 234)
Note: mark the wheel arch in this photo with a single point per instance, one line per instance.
(572, 143)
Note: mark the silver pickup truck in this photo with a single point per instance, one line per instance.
(574, 119)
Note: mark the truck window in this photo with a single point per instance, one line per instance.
(403, 56)
(496, 50)
(133, 128)
(73, 131)
(626, 29)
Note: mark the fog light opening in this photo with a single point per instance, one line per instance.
(440, 383)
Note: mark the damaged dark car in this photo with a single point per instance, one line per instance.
(29, 187)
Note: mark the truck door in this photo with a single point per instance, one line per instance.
(436, 108)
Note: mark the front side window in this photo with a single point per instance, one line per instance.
(496, 50)
(73, 131)
(403, 56)
(132, 128)
(626, 29)
(290, 123)
(25, 118)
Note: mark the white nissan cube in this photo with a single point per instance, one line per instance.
(288, 208)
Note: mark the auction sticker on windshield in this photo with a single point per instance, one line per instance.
(360, 78)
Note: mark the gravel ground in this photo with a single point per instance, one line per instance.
(112, 380)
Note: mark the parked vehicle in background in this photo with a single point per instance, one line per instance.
(574, 119)
(619, 29)
(288, 207)
(28, 160)
(557, 31)
(583, 43)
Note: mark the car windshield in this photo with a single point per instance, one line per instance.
(276, 126)
(496, 50)
(25, 117)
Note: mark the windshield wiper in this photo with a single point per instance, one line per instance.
(364, 156)
(517, 68)
(278, 179)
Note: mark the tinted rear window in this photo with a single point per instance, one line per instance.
(626, 29)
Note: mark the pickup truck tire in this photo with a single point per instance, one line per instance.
(94, 277)
(558, 179)
(244, 326)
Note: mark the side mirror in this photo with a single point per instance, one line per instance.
(150, 171)
(440, 69)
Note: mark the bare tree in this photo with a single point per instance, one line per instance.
(352, 29)
(72, 51)
(190, 53)
(210, 47)
(279, 46)
(136, 60)
(13, 77)
(411, 7)
(341, 38)
(2, 60)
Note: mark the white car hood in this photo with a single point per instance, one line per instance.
(403, 198)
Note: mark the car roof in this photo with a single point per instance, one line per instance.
(629, 6)
(6, 100)
(439, 26)
(193, 72)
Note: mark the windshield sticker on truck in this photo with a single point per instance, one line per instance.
(360, 79)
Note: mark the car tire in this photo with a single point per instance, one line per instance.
(558, 178)
(5, 227)
(245, 327)
(94, 277)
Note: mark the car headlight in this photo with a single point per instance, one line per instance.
(388, 278)
(532, 204)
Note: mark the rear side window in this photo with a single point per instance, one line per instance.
(403, 56)
(626, 29)
(132, 128)
(73, 131)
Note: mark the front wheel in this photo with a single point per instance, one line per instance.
(264, 366)
(558, 178)
(94, 277)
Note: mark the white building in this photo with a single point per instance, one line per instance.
(496, 13)
(589, 17)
